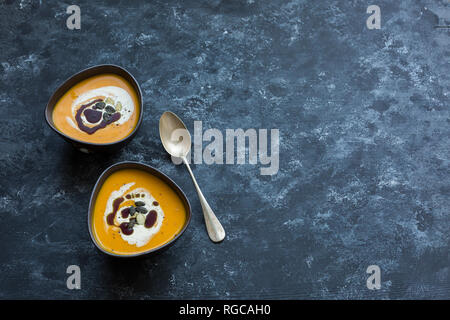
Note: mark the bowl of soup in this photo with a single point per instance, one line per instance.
(136, 210)
(97, 109)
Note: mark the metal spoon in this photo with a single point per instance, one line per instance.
(176, 139)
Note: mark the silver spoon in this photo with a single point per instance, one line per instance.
(176, 139)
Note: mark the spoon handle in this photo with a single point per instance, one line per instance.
(215, 230)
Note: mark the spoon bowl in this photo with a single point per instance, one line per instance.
(175, 138)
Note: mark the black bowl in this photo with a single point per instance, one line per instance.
(154, 172)
(89, 147)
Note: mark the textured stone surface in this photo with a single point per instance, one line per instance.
(364, 147)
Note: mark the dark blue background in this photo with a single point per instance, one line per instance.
(364, 147)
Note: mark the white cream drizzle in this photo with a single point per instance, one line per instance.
(141, 235)
(117, 94)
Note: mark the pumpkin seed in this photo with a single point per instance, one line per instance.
(118, 106)
(139, 203)
(107, 116)
(132, 211)
(110, 109)
(140, 218)
(99, 105)
(141, 210)
(109, 101)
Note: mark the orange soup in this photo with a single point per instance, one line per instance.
(135, 212)
(101, 109)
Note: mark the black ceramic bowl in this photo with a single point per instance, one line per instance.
(154, 172)
(89, 147)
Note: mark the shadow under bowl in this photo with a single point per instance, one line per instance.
(152, 171)
(89, 147)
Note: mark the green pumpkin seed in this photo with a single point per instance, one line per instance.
(141, 210)
(109, 101)
(118, 106)
(106, 116)
(110, 109)
(99, 105)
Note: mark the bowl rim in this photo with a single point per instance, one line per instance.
(79, 73)
(123, 165)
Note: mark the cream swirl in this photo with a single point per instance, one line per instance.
(141, 234)
(115, 94)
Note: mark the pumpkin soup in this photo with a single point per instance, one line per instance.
(100, 109)
(135, 212)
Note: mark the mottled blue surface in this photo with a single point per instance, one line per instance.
(364, 147)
